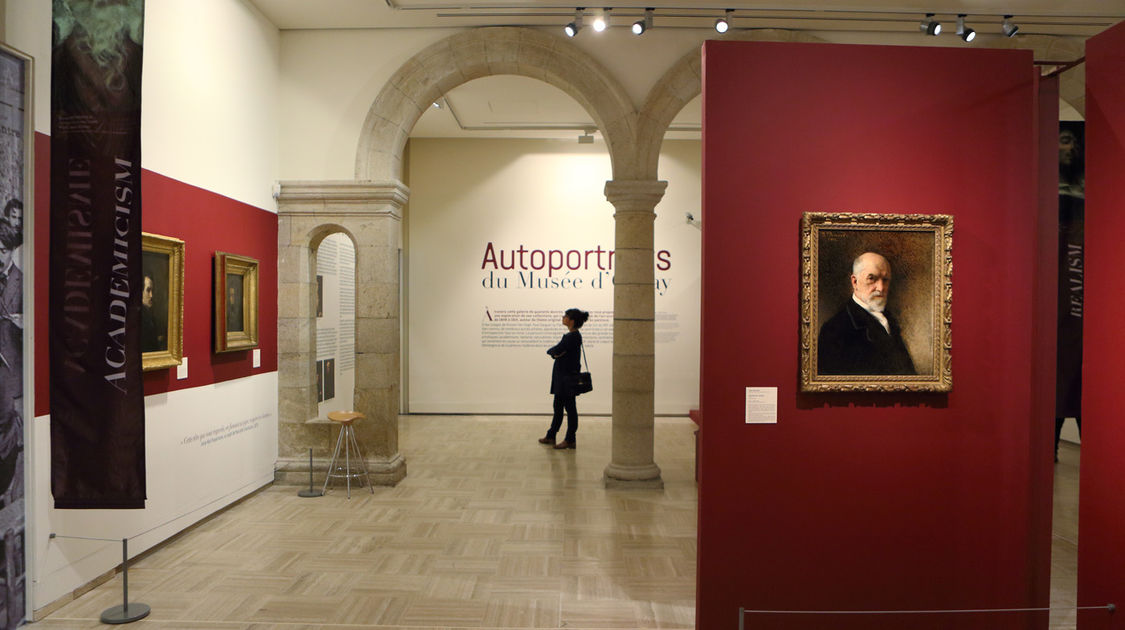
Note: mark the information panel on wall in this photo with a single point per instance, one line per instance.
(505, 235)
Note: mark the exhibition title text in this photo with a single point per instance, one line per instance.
(558, 264)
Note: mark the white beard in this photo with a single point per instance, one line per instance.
(876, 304)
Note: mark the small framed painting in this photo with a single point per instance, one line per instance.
(162, 301)
(236, 302)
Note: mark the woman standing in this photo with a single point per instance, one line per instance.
(566, 354)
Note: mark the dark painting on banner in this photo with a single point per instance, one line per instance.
(96, 281)
(1072, 268)
(15, 156)
(876, 302)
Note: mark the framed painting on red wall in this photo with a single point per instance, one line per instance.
(236, 302)
(162, 301)
(876, 302)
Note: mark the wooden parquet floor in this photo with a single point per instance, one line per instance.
(488, 530)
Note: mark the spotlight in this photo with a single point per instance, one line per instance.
(640, 26)
(1008, 27)
(572, 29)
(722, 24)
(929, 25)
(963, 31)
(602, 21)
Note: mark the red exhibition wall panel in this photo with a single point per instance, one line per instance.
(871, 501)
(1101, 504)
(206, 222)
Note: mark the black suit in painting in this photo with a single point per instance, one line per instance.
(854, 342)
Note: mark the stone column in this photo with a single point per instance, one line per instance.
(634, 340)
(370, 213)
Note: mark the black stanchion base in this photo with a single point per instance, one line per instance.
(121, 614)
(309, 493)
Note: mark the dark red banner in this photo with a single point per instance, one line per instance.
(97, 395)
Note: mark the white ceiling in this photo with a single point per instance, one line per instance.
(510, 106)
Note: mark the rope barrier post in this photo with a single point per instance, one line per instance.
(310, 492)
(125, 613)
(741, 618)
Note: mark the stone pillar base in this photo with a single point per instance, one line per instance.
(295, 471)
(623, 477)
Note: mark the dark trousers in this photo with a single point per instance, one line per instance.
(562, 402)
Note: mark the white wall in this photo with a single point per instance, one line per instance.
(205, 448)
(210, 120)
(329, 79)
(477, 345)
(209, 115)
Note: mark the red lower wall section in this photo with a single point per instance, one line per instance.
(1101, 506)
(875, 501)
(207, 223)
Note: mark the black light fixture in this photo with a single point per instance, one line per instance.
(642, 25)
(964, 32)
(929, 25)
(572, 29)
(602, 21)
(722, 24)
(1008, 27)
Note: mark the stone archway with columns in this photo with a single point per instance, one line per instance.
(369, 209)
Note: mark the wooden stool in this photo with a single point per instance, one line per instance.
(350, 446)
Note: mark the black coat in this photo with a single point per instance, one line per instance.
(854, 342)
(567, 361)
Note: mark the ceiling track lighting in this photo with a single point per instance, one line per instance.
(929, 25)
(572, 29)
(642, 25)
(1008, 27)
(964, 32)
(722, 24)
(602, 21)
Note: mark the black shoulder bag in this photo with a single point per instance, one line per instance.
(581, 382)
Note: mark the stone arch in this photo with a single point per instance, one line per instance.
(322, 231)
(484, 52)
(678, 86)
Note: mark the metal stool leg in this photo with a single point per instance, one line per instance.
(348, 459)
(332, 462)
(362, 462)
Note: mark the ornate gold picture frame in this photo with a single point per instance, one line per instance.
(162, 301)
(876, 302)
(236, 302)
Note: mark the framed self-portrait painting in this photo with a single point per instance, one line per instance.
(876, 302)
(236, 302)
(162, 301)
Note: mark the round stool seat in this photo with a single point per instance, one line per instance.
(345, 417)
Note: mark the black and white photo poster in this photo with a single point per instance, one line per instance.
(15, 142)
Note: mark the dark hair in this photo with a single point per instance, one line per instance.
(9, 237)
(12, 204)
(577, 316)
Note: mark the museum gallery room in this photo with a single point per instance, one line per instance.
(294, 299)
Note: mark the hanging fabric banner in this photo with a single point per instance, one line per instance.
(1072, 271)
(97, 395)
